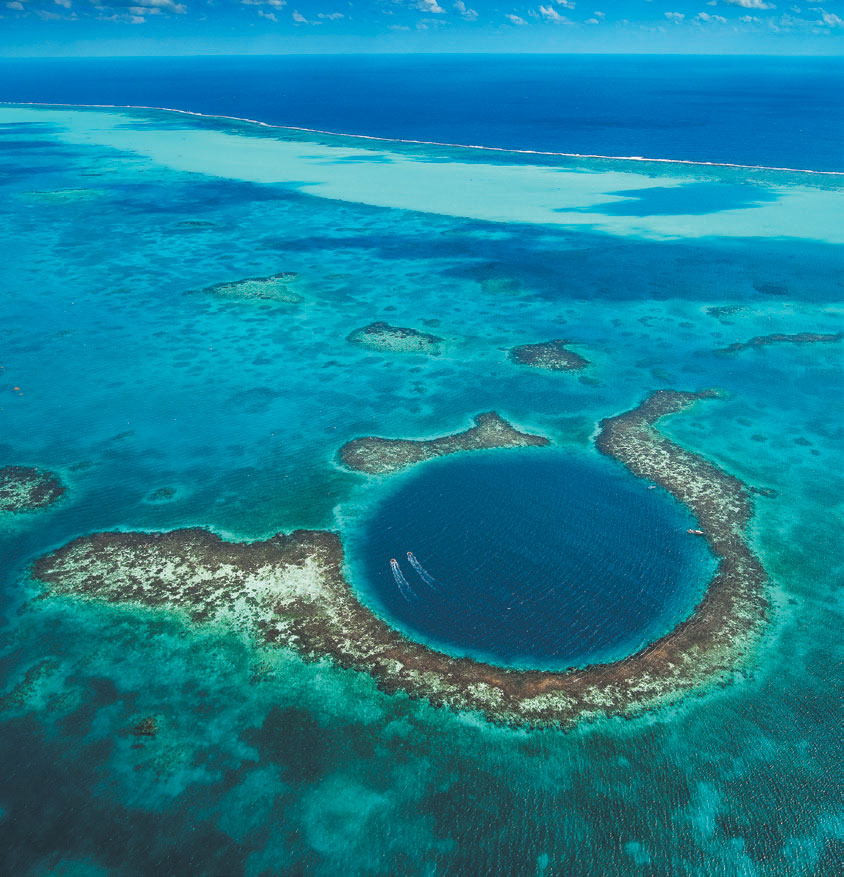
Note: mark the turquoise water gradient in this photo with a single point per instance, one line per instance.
(130, 381)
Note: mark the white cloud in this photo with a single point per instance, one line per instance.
(829, 19)
(751, 4)
(298, 17)
(705, 16)
(569, 4)
(464, 12)
(514, 19)
(675, 16)
(429, 6)
(551, 14)
(271, 16)
(15, 4)
(66, 3)
(399, 27)
(331, 16)
(276, 4)
(749, 19)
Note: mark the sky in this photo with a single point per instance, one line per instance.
(174, 27)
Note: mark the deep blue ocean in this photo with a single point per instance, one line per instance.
(532, 560)
(770, 111)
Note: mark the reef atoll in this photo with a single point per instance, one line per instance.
(395, 339)
(290, 591)
(27, 489)
(552, 355)
(379, 456)
(275, 288)
(778, 338)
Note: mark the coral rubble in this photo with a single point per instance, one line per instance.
(378, 456)
(552, 355)
(274, 288)
(779, 338)
(395, 339)
(27, 489)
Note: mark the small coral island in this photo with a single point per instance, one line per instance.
(778, 338)
(551, 355)
(27, 489)
(291, 591)
(395, 339)
(379, 456)
(275, 288)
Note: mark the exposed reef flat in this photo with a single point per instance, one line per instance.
(552, 355)
(27, 489)
(395, 339)
(290, 591)
(778, 338)
(275, 288)
(379, 456)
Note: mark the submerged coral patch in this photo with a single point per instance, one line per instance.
(28, 489)
(395, 339)
(552, 355)
(274, 288)
(291, 591)
(379, 456)
(779, 338)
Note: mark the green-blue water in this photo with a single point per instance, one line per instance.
(116, 374)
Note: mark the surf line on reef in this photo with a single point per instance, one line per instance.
(379, 139)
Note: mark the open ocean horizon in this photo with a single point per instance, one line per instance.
(698, 108)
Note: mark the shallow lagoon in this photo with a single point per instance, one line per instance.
(128, 384)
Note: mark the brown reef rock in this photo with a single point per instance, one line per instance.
(778, 338)
(552, 355)
(274, 288)
(379, 456)
(395, 339)
(27, 489)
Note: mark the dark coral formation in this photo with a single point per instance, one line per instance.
(395, 339)
(274, 288)
(27, 688)
(290, 591)
(778, 338)
(27, 489)
(722, 311)
(378, 456)
(553, 355)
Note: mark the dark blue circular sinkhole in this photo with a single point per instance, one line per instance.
(531, 559)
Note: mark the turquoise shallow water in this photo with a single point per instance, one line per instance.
(128, 381)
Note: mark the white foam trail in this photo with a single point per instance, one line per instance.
(401, 581)
(683, 161)
(421, 571)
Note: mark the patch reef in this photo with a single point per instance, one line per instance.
(27, 489)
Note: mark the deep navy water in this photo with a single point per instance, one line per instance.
(533, 560)
(770, 111)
